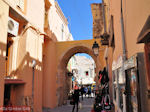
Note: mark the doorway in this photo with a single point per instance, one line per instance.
(7, 94)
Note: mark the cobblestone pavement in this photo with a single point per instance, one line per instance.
(87, 104)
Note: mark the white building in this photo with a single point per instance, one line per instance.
(58, 23)
(84, 69)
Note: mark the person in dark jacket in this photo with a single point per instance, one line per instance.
(82, 92)
(89, 92)
(105, 78)
(75, 97)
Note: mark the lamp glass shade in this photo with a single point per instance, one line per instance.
(95, 48)
(33, 63)
(96, 51)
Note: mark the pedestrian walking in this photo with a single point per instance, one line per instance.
(104, 77)
(76, 100)
(89, 91)
(85, 91)
(82, 92)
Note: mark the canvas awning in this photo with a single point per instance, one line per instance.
(14, 81)
(144, 35)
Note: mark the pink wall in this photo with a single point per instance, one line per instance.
(3, 40)
(115, 12)
(135, 14)
(49, 74)
(25, 72)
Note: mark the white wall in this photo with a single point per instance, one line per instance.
(83, 64)
(56, 21)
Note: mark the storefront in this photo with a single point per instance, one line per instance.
(13, 95)
(129, 88)
(132, 90)
(118, 85)
(144, 37)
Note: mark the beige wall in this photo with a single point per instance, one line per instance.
(3, 40)
(35, 13)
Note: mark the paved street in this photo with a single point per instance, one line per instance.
(86, 106)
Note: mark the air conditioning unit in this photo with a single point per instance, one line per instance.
(13, 27)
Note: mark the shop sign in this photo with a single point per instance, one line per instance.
(130, 63)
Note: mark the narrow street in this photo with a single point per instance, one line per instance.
(55, 50)
(87, 104)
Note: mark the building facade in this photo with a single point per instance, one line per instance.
(28, 52)
(125, 59)
(84, 70)
(23, 44)
(57, 30)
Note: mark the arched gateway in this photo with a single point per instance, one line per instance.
(65, 50)
(55, 58)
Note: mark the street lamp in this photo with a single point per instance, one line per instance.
(33, 68)
(95, 48)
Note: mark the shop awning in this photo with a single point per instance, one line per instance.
(14, 81)
(144, 35)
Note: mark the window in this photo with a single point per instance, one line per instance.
(62, 28)
(86, 73)
(112, 40)
(20, 4)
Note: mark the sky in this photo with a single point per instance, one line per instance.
(79, 15)
(84, 54)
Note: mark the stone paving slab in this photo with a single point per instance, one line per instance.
(87, 105)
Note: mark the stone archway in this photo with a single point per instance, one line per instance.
(63, 59)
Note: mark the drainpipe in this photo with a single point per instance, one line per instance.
(124, 53)
(123, 35)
